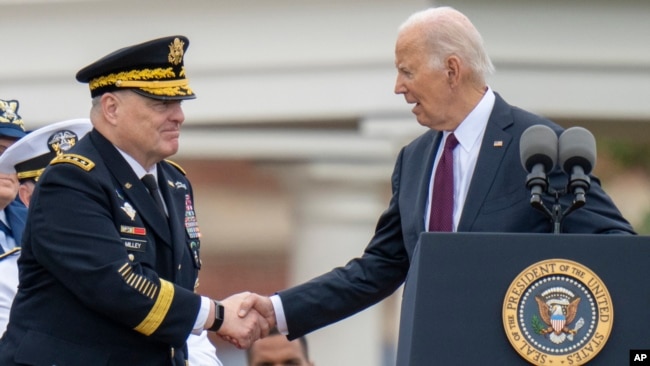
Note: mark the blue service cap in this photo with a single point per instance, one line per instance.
(11, 125)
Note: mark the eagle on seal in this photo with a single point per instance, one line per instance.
(557, 314)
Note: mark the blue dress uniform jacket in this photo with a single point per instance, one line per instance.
(497, 201)
(16, 214)
(105, 278)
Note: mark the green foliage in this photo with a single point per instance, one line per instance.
(644, 227)
(537, 325)
(627, 154)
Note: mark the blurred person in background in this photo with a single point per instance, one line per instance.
(277, 350)
(12, 212)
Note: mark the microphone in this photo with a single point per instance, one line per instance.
(577, 151)
(538, 150)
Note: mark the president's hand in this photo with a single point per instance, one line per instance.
(260, 304)
(242, 331)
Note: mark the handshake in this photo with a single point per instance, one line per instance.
(247, 318)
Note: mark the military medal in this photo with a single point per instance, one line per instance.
(192, 228)
(191, 225)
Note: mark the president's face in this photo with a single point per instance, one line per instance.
(423, 84)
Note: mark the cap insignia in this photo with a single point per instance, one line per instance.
(176, 51)
(9, 113)
(62, 141)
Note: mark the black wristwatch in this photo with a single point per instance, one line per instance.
(218, 316)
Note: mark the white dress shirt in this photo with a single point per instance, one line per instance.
(469, 135)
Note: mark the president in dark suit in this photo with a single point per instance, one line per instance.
(441, 68)
(110, 262)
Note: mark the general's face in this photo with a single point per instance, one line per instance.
(148, 129)
(277, 350)
(422, 84)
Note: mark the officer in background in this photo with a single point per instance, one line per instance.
(109, 262)
(29, 156)
(12, 211)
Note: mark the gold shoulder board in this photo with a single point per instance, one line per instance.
(78, 160)
(175, 165)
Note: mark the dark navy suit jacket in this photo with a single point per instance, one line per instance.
(497, 201)
(105, 277)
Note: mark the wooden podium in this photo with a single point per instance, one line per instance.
(454, 308)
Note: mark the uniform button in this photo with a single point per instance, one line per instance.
(172, 352)
(131, 257)
(179, 267)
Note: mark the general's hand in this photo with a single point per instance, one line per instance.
(261, 304)
(242, 331)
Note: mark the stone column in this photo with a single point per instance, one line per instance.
(336, 208)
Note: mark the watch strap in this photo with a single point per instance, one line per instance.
(218, 316)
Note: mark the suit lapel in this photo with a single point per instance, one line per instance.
(493, 149)
(429, 156)
(133, 188)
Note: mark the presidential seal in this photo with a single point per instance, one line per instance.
(557, 312)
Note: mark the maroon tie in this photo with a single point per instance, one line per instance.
(442, 197)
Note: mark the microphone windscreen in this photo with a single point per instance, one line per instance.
(538, 145)
(577, 146)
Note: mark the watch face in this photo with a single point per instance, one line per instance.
(219, 311)
(218, 316)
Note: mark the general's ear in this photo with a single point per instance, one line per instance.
(110, 106)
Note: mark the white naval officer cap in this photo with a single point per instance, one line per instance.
(30, 155)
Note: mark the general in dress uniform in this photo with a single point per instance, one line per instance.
(107, 277)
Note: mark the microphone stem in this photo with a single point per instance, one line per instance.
(557, 217)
